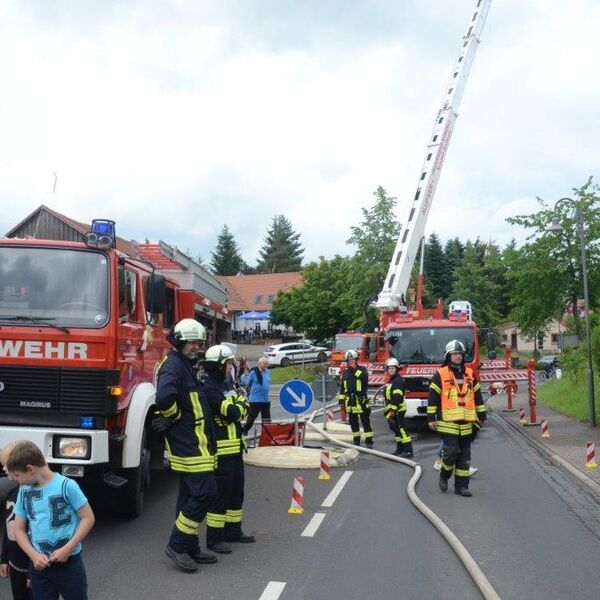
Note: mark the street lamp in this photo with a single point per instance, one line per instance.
(556, 226)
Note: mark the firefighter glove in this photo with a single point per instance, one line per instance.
(161, 424)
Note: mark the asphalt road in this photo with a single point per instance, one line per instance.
(371, 543)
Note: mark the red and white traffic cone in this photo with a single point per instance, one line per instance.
(545, 432)
(522, 418)
(590, 456)
(296, 507)
(330, 416)
(324, 473)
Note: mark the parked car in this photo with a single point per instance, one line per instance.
(546, 360)
(295, 352)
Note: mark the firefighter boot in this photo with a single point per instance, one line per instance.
(183, 560)
(203, 558)
(240, 539)
(462, 491)
(220, 547)
(443, 484)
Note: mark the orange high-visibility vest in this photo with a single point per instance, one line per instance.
(458, 402)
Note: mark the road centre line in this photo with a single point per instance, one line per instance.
(313, 525)
(337, 488)
(273, 590)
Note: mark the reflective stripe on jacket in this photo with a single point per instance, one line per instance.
(394, 396)
(190, 441)
(458, 401)
(353, 390)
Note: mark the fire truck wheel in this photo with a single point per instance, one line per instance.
(131, 503)
(285, 362)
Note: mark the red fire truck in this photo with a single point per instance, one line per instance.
(82, 329)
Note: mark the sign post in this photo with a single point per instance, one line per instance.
(296, 397)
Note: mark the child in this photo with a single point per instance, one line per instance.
(52, 517)
(14, 563)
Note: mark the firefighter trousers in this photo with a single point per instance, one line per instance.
(365, 420)
(456, 458)
(197, 494)
(397, 425)
(256, 408)
(224, 520)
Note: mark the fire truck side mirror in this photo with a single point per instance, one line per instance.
(156, 294)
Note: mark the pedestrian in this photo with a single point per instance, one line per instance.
(242, 368)
(14, 563)
(52, 517)
(259, 384)
(353, 392)
(190, 441)
(395, 408)
(228, 408)
(455, 404)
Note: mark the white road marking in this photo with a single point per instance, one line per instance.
(273, 590)
(313, 525)
(337, 488)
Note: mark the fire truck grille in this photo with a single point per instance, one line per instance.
(417, 384)
(56, 390)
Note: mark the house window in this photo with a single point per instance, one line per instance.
(258, 300)
(504, 338)
(271, 298)
(554, 338)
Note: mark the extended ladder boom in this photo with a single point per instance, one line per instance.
(398, 276)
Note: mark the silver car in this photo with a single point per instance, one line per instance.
(295, 352)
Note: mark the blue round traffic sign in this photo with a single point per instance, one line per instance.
(295, 396)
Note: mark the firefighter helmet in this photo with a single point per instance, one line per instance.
(351, 355)
(219, 354)
(392, 362)
(454, 346)
(188, 330)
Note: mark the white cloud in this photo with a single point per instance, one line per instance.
(175, 122)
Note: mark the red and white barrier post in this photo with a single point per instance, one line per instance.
(324, 472)
(532, 394)
(330, 415)
(545, 432)
(296, 507)
(590, 456)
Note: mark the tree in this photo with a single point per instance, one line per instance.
(316, 308)
(282, 251)
(226, 259)
(435, 269)
(546, 273)
(453, 255)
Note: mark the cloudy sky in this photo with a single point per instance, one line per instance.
(173, 118)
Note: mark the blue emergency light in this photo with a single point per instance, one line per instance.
(87, 422)
(102, 234)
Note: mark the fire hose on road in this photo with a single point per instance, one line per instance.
(477, 575)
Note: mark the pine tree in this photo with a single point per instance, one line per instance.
(226, 259)
(453, 255)
(282, 251)
(434, 266)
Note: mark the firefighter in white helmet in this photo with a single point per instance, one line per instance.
(228, 407)
(353, 392)
(190, 442)
(455, 405)
(395, 408)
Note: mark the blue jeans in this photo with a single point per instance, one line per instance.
(67, 579)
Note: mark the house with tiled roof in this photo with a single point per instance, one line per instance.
(251, 298)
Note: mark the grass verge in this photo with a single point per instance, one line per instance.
(283, 374)
(568, 398)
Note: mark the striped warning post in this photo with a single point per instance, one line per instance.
(324, 473)
(329, 415)
(545, 432)
(296, 507)
(522, 418)
(590, 456)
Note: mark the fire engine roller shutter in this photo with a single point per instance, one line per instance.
(68, 390)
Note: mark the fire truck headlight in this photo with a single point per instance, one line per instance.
(72, 447)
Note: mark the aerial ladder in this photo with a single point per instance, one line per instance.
(395, 286)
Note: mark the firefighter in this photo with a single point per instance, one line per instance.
(228, 407)
(190, 442)
(395, 408)
(455, 405)
(353, 392)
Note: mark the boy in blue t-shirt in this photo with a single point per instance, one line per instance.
(52, 517)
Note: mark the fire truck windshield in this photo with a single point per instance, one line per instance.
(348, 342)
(428, 345)
(67, 288)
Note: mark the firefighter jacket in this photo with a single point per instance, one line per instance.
(190, 440)
(353, 390)
(228, 408)
(395, 401)
(455, 400)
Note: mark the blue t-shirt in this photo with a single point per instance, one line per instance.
(259, 393)
(51, 513)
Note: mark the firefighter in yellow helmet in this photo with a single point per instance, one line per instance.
(353, 392)
(455, 405)
(395, 408)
